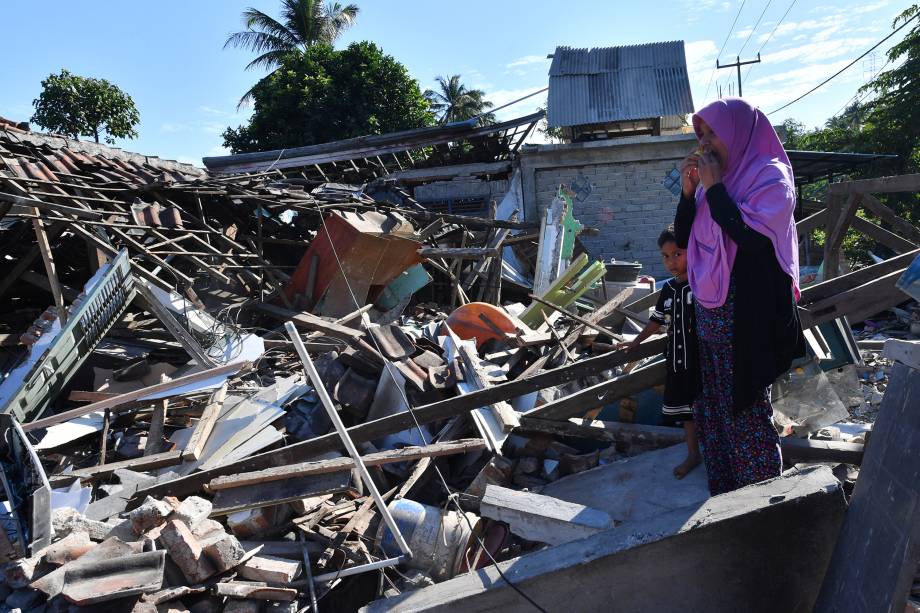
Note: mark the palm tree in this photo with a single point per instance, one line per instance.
(302, 23)
(454, 102)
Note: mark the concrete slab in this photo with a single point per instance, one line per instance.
(878, 550)
(637, 488)
(764, 547)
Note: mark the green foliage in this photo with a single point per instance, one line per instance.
(303, 23)
(885, 120)
(453, 101)
(323, 95)
(554, 135)
(81, 106)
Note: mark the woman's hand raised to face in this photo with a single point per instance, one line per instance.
(710, 170)
(689, 175)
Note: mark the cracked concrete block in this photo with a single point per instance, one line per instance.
(66, 520)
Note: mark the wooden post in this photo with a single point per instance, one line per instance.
(45, 248)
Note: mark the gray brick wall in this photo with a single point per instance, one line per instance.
(626, 201)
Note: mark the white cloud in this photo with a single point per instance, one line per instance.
(805, 76)
(217, 150)
(173, 127)
(701, 59)
(527, 60)
(814, 52)
(209, 110)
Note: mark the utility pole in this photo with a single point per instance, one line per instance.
(738, 64)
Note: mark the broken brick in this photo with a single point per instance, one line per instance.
(254, 523)
(223, 550)
(185, 550)
(270, 569)
(193, 510)
(150, 514)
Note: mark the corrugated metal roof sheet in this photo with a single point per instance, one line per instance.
(590, 86)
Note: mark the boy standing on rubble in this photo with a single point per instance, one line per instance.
(675, 309)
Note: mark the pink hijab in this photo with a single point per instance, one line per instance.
(758, 177)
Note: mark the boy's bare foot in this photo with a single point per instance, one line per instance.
(682, 469)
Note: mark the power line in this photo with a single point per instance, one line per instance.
(825, 81)
(754, 29)
(781, 20)
(729, 35)
(858, 99)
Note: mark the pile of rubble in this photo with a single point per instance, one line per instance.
(263, 392)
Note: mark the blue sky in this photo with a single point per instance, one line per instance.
(168, 54)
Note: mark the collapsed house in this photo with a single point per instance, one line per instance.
(381, 374)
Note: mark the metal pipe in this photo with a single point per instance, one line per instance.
(343, 434)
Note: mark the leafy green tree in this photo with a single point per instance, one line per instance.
(303, 23)
(82, 106)
(885, 119)
(323, 95)
(453, 101)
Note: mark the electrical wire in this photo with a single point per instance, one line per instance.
(725, 42)
(827, 80)
(857, 100)
(451, 496)
(754, 29)
(772, 32)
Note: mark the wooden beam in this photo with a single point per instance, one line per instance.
(883, 236)
(900, 225)
(205, 425)
(122, 399)
(832, 287)
(44, 248)
(812, 222)
(23, 263)
(603, 393)
(442, 173)
(157, 423)
(311, 322)
(467, 253)
(881, 185)
(858, 303)
(837, 227)
(436, 411)
(172, 325)
(578, 318)
(157, 460)
(322, 467)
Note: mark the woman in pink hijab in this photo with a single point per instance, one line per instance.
(735, 218)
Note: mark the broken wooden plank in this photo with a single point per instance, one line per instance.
(339, 464)
(436, 411)
(601, 394)
(578, 318)
(311, 322)
(205, 425)
(120, 400)
(887, 215)
(278, 492)
(883, 236)
(838, 285)
(157, 460)
(169, 321)
(542, 519)
(881, 185)
(157, 422)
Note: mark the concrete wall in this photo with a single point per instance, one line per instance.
(620, 190)
(761, 548)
